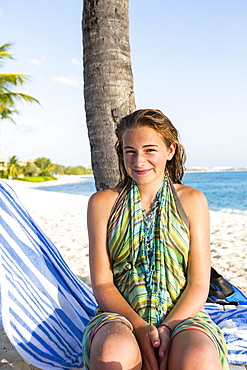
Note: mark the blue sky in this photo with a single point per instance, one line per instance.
(189, 59)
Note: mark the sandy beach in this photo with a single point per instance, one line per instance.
(63, 218)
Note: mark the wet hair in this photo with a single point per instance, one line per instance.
(159, 122)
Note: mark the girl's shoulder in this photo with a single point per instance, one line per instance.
(105, 195)
(187, 191)
(103, 201)
(190, 198)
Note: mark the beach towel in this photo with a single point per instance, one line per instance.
(44, 307)
(232, 321)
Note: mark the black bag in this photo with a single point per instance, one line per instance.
(220, 290)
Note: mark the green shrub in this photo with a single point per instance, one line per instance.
(36, 178)
(3, 174)
(31, 170)
(49, 178)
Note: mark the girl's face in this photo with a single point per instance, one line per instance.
(145, 155)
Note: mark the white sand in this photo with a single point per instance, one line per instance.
(63, 218)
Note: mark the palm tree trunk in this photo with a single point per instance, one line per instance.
(108, 82)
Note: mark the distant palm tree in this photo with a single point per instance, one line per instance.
(13, 168)
(45, 165)
(8, 97)
(8, 82)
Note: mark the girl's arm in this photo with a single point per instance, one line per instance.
(107, 295)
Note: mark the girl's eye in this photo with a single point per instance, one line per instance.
(129, 151)
(151, 150)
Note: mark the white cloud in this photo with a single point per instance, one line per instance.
(37, 62)
(76, 63)
(66, 81)
(29, 125)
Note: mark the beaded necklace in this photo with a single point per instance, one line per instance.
(149, 250)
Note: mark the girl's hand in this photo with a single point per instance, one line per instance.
(148, 339)
(164, 347)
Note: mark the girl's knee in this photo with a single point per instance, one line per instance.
(115, 347)
(192, 348)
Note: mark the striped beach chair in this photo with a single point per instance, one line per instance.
(44, 306)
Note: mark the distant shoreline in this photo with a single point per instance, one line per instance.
(215, 170)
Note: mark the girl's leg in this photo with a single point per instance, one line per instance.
(193, 350)
(114, 347)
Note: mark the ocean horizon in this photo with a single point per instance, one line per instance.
(226, 191)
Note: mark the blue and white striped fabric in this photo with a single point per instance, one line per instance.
(44, 306)
(232, 321)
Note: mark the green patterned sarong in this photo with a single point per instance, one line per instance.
(149, 266)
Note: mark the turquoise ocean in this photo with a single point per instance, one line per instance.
(225, 191)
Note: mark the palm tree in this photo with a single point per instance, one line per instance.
(8, 82)
(45, 165)
(108, 81)
(13, 168)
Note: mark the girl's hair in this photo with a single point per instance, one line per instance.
(159, 122)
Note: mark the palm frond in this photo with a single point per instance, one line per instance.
(22, 97)
(6, 99)
(13, 160)
(7, 113)
(4, 51)
(13, 79)
(9, 98)
(8, 81)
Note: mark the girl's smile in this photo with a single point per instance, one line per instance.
(142, 172)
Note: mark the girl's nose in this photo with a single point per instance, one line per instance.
(139, 159)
